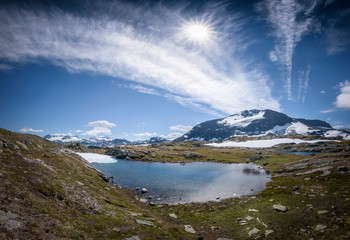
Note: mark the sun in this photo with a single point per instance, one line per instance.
(197, 32)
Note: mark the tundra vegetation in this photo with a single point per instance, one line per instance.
(49, 192)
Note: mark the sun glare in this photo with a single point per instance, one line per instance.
(197, 32)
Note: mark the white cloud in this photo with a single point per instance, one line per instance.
(343, 99)
(146, 50)
(172, 136)
(99, 127)
(26, 129)
(101, 124)
(291, 20)
(327, 110)
(323, 92)
(342, 126)
(180, 128)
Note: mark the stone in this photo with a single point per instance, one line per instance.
(173, 215)
(268, 232)
(253, 231)
(144, 190)
(249, 218)
(265, 163)
(320, 227)
(296, 188)
(253, 210)
(7, 215)
(137, 188)
(280, 208)
(189, 229)
(146, 223)
(133, 238)
(224, 239)
(13, 224)
(343, 168)
(143, 200)
(322, 212)
(152, 204)
(116, 229)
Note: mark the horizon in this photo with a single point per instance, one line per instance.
(142, 69)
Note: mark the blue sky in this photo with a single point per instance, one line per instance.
(144, 68)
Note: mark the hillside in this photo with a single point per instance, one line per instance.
(48, 192)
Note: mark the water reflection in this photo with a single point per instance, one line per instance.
(193, 182)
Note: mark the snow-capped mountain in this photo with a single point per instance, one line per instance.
(255, 123)
(62, 138)
(92, 141)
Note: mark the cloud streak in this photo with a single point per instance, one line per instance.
(26, 129)
(150, 53)
(291, 20)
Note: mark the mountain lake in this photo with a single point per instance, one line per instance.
(174, 183)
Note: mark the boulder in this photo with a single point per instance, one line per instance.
(320, 227)
(280, 208)
(253, 231)
(144, 190)
(188, 228)
(146, 223)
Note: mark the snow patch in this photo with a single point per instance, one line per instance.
(262, 143)
(279, 129)
(97, 158)
(241, 121)
(337, 133)
(298, 128)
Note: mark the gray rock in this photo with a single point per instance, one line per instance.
(13, 224)
(173, 215)
(320, 227)
(133, 238)
(322, 212)
(116, 229)
(146, 223)
(268, 232)
(22, 145)
(253, 231)
(189, 228)
(144, 190)
(152, 204)
(7, 215)
(280, 208)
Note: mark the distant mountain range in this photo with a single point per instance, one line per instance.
(258, 123)
(243, 124)
(98, 141)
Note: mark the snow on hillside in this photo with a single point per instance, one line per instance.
(62, 138)
(337, 133)
(298, 128)
(262, 143)
(97, 158)
(240, 120)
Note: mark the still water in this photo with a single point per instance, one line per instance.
(193, 182)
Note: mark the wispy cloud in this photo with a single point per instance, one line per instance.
(99, 127)
(338, 33)
(180, 128)
(291, 20)
(303, 78)
(26, 129)
(141, 46)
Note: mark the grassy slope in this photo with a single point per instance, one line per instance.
(56, 194)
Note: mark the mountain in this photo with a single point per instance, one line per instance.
(62, 138)
(92, 141)
(255, 123)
